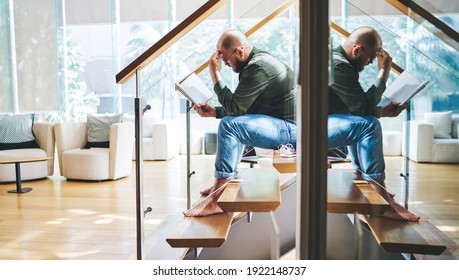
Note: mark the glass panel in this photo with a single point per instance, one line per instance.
(445, 10)
(35, 44)
(3, 92)
(87, 12)
(139, 35)
(68, 52)
(413, 48)
(195, 48)
(90, 73)
(440, 24)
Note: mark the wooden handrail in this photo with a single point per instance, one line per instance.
(406, 6)
(170, 38)
(255, 28)
(344, 33)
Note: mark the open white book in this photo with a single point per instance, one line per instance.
(194, 90)
(405, 87)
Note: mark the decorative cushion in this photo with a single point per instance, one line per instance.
(99, 129)
(441, 122)
(16, 132)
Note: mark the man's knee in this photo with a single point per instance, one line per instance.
(225, 125)
(373, 125)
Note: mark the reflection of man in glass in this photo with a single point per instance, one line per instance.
(353, 112)
(259, 113)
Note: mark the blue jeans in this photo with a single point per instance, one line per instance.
(363, 136)
(235, 132)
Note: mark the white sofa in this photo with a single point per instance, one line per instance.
(425, 144)
(163, 144)
(95, 164)
(160, 138)
(32, 170)
(392, 129)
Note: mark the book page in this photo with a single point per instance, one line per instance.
(194, 90)
(404, 88)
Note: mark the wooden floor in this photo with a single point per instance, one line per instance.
(60, 219)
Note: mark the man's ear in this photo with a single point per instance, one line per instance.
(356, 50)
(240, 51)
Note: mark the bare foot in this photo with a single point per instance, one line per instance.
(205, 209)
(396, 211)
(217, 184)
(208, 206)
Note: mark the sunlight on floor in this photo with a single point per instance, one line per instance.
(448, 228)
(72, 255)
(81, 211)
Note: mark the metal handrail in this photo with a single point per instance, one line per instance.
(169, 39)
(411, 9)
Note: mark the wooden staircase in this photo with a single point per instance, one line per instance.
(255, 190)
(258, 190)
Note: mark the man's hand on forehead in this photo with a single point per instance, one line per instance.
(218, 54)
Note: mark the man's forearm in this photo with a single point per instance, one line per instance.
(384, 73)
(384, 64)
(215, 76)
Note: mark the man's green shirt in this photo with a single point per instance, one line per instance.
(266, 86)
(346, 95)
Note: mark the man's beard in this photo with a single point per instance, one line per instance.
(362, 64)
(238, 66)
(358, 65)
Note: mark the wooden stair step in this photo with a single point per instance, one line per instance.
(194, 232)
(346, 196)
(255, 190)
(158, 248)
(407, 237)
(284, 164)
(288, 164)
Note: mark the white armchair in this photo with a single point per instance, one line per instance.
(94, 164)
(426, 146)
(44, 137)
(160, 138)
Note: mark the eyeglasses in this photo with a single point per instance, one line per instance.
(372, 57)
(225, 60)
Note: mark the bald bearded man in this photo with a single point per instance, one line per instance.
(260, 112)
(353, 112)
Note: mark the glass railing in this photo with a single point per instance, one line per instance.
(446, 11)
(190, 52)
(440, 24)
(278, 36)
(3, 89)
(28, 57)
(414, 49)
